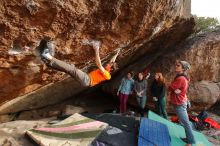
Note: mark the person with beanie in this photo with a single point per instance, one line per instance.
(178, 90)
(85, 79)
(125, 89)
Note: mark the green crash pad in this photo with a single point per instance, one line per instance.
(176, 132)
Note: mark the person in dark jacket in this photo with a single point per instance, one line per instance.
(140, 89)
(158, 90)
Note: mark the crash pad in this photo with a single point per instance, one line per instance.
(75, 130)
(153, 133)
(176, 132)
(122, 130)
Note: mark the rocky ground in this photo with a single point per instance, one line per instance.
(13, 133)
(213, 135)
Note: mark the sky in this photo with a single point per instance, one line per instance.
(206, 8)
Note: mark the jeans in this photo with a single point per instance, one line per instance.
(80, 76)
(184, 120)
(141, 101)
(123, 102)
(161, 107)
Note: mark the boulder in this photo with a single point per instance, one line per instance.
(204, 94)
(144, 28)
(202, 52)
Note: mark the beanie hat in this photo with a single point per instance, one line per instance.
(186, 66)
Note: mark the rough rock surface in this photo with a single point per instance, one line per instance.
(134, 24)
(95, 102)
(204, 94)
(203, 53)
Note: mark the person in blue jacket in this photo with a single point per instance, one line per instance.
(124, 90)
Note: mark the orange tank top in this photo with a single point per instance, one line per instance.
(97, 77)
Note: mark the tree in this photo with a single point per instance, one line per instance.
(205, 24)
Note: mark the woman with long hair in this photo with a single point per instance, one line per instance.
(178, 90)
(158, 90)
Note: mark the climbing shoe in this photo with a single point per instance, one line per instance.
(45, 50)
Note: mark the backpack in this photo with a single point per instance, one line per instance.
(212, 123)
(202, 115)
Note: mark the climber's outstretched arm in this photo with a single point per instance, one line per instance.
(115, 56)
(97, 58)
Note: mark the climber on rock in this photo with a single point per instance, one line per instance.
(85, 79)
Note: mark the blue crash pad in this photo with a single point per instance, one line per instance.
(153, 133)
